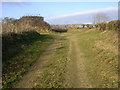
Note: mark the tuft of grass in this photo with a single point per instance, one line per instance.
(20, 51)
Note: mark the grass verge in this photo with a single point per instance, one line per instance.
(20, 51)
(101, 61)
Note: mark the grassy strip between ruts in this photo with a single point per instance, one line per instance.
(55, 68)
(30, 51)
(101, 63)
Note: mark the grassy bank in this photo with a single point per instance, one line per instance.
(100, 51)
(20, 51)
(54, 70)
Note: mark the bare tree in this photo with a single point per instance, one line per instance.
(100, 18)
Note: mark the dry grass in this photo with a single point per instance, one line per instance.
(100, 51)
(26, 23)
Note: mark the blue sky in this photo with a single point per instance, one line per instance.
(59, 12)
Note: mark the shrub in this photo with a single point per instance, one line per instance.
(25, 23)
(112, 25)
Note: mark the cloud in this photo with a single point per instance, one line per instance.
(83, 17)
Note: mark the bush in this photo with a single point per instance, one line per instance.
(26, 23)
(112, 25)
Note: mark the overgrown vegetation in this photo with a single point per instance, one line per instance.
(25, 23)
(20, 53)
(101, 53)
(22, 45)
(112, 25)
(102, 23)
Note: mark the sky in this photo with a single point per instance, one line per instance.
(61, 12)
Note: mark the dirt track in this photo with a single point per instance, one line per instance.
(76, 75)
(35, 71)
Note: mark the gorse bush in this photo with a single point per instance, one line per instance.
(102, 26)
(112, 25)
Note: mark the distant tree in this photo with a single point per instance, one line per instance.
(83, 25)
(100, 18)
(88, 25)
